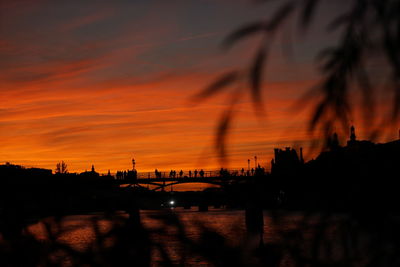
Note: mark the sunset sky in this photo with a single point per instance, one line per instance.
(100, 82)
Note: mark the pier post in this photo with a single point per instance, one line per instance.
(255, 229)
(254, 217)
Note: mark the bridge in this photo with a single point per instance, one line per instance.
(161, 183)
(161, 180)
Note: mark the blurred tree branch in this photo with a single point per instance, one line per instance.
(370, 30)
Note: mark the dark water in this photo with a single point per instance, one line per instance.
(228, 223)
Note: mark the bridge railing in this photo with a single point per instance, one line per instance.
(193, 174)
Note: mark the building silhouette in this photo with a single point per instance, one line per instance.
(92, 174)
(286, 162)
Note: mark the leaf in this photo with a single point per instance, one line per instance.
(308, 12)
(257, 27)
(368, 103)
(280, 16)
(319, 111)
(339, 21)
(256, 77)
(396, 104)
(218, 85)
(243, 32)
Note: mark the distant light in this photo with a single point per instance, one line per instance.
(172, 202)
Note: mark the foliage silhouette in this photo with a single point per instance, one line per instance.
(369, 33)
(303, 240)
(61, 168)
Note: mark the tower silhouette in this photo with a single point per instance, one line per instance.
(301, 155)
(352, 134)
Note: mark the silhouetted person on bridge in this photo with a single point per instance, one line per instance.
(195, 173)
(201, 173)
(190, 174)
(242, 171)
(259, 170)
(180, 174)
(252, 171)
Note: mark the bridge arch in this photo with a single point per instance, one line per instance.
(185, 182)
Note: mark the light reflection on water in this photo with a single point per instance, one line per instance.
(228, 223)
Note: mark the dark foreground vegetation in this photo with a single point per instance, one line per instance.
(347, 196)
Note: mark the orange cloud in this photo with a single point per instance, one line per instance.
(149, 121)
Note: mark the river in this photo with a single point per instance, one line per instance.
(225, 227)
